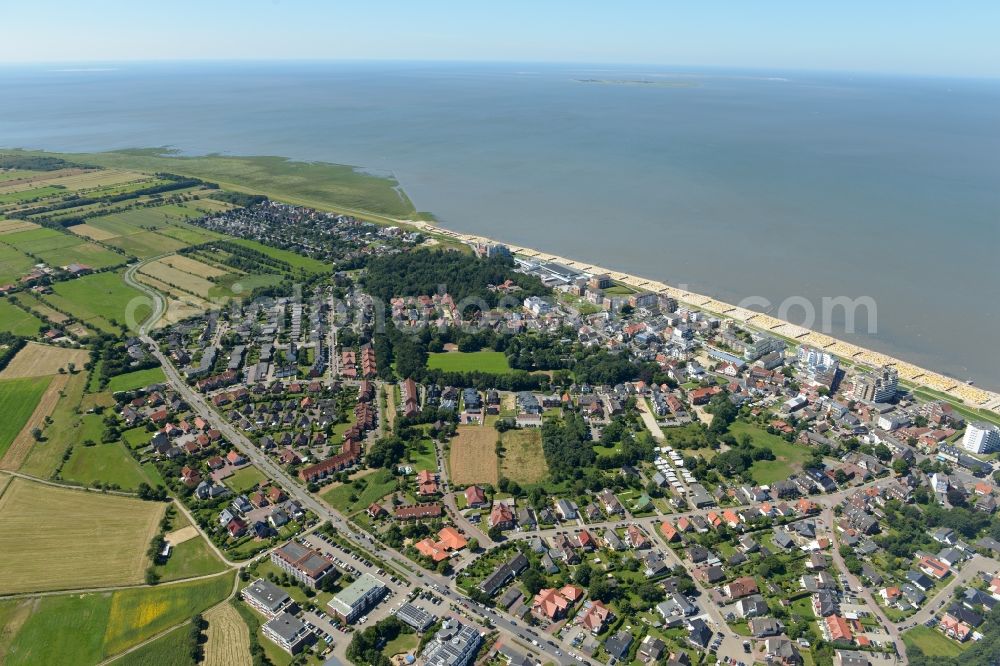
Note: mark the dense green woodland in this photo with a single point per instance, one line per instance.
(426, 272)
(35, 163)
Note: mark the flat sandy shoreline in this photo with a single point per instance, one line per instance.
(971, 396)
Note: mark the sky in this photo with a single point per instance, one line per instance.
(891, 36)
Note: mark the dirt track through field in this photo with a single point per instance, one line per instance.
(37, 360)
(21, 446)
(228, 637)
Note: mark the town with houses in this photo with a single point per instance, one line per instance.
(750, 500)
(446, 452)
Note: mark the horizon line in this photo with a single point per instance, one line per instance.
(96, 63)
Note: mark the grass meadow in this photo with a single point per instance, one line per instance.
(98, 299)
(245, 479)
(932, 642)
(18, 398)
(789, 456)
(173, 649)
(361, 492)
(481, 361)
(103, 464)
(523, 460)
(325, 186)
(134, 380)
(15, 320)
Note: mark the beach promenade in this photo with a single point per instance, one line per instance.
(970, 396)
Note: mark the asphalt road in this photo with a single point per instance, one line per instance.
(440, 584)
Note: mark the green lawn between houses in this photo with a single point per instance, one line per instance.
(135, 380)
(364, 490)
(245, 479)
(483, 361)
(789, 456)
(932, 642)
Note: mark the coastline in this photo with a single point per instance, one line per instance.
(971, 396)
(260, 171)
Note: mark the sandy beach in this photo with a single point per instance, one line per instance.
(921, 377)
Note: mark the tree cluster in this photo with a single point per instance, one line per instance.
(567, 446)
(424, 272)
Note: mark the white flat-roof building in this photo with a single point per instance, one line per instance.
(354, 600)
(981, 437)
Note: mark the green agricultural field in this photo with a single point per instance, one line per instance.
(15, 320)
(233, 284)
(93, 627)
(482, 361)
(89, 254)
(30, 195)
(245, 479)
(138, 613)
(173, 649)
(79, 622)
(13, 264)
(104, 463)
(296, 261)
(146, 244)
(189, 233)
(18, 398)
(932, 642)
(141, 219)
(99, 299)
(361, 492)
(39, 240)
(134, 380)
(789, 456)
